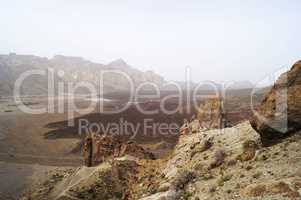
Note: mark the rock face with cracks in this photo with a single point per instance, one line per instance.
(280, 112)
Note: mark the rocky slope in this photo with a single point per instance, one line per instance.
(75, 69)
(105, 181)
(229, 163)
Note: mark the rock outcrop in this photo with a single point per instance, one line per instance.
(135, 150)
(107, 147)
(211, 114)
(280, 112)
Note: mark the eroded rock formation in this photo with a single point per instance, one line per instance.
(108, 147)
(280, 112)
(211, 114)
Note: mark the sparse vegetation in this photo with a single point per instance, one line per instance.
(201, 147)
(224, 179)
(249, 150)
(212, 189)
(262, 157)
(275, 188)
(218, 158)
(232, 162)
(257, 175)
(183, 178)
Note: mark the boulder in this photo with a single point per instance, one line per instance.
(280, 112)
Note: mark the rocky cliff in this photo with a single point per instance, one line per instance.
(98, 149)
(280, 112)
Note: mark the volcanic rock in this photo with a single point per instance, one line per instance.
(280, 112)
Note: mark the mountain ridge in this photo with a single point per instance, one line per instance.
(76, 69)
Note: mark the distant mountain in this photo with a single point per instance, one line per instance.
(238, 85)
(211, 85)
(75, 70)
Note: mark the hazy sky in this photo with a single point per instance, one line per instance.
(219, 40)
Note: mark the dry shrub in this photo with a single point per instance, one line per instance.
(278, 188)
(184, 177)
(204, 146)
(218, 158)
(249, 150)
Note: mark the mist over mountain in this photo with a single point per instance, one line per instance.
(72, 70)
(106, 78)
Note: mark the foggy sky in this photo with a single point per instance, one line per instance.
(219, 40)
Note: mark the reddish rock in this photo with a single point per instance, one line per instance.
(131, 148)
(97, 149)
(280, 112)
